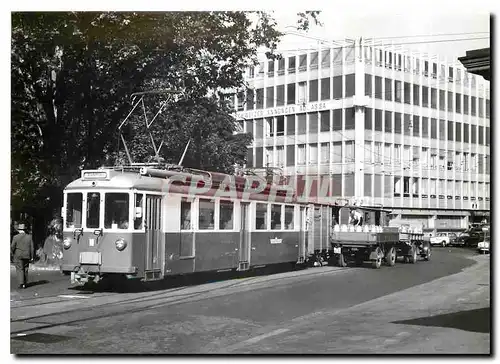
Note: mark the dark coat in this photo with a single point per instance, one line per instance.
(22, 247)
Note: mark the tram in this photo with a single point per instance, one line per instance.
(147, 222)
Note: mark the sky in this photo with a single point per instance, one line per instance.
(446, 35)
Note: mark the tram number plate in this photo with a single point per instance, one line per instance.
(90, 258)
(337, 250)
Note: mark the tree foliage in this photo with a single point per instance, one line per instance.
(72, 74)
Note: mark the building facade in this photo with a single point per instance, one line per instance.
(385, 127)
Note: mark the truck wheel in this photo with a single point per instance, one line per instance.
(428, 255)
(377, 263)
(413, 255)
(390, 257)
(341, 262)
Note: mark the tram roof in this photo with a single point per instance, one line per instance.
(118, 180)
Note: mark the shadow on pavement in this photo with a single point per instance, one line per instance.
(120, 284)
(36, 283)
(477, 320)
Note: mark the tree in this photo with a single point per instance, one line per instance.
(72, 75)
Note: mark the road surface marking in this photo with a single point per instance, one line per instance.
(70, 296)
(264, 336)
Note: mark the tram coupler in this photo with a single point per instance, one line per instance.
(81, 278)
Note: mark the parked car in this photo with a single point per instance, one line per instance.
(484, 246)
(469, 239)
(443, 239)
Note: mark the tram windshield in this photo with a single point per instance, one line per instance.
(116, 211)
(93, 209)
(74, 210)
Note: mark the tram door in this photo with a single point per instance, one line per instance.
(154, 237)
(303, 235)
(245, 241)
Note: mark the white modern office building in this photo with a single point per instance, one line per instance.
(388, 128)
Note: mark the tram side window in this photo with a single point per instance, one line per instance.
(275, 217)
(289, 217)
(138, 208)
(261, 216)
(116, 211)
(185, 214)
(74, 206)
(206, 215)
(226, 215)
(93, 209)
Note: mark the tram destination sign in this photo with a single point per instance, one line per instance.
(283, 110)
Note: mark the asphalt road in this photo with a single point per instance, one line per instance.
(209, 314)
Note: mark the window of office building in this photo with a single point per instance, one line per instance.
(350, 86)
(325, 120)
(280, 125)
(250, 99)
(290, 125)
(270, 97)
(337, 152)
(368, 152)
(458, 188)
(259, 157)
(378, 120)
(290, 155)
(377, 152)
(442, 130)
(368, 118)
(368, 84)
(270, 69)
(407, 124)
(450, 130)
(397, 123)
(487, 137)
(425, 187)
(259, 98)
(458, 103)
(301, 154)
(249, 161)
(425, 127)
(450, 101)
(325, 153)
(480, 132)
(398, 95)
(388, 89)
(466, 104)
(337, 119)
(313, 153)
(313, 90)
(407, 93)
(290, 98)
(397, 153)
(388, 186)
(481, 107)
(313, 122)
(388, 153)
(480, 164)
(425, 157)
(336, 185)
(425, 96)
(473, 134)
(487, 109)
(458, 132)
(398, 186)
(313, 63)
(325, 58)
(466, 132)
(280, 95)
(433, 128)
(302, 93)
(281, 66)
(416, 125)
(269, 126)
(349, 118)
(280, 156)
(378, 185)
(433, 98)
(416, 95)
(302, 62)
(301, 124)
(388, 121)
(349, 185)
(291, 64)
(349, 54)
(368, 185)
(378, 88)
(473, 162)
(449, 161)
(259, 128)
(337, 87)
(442, 99)
(337, 56)
(487, 164)
(325, 88)
(349, 151)
(473, 104)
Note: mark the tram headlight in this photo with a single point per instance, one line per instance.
(67, 243)
(121, 244)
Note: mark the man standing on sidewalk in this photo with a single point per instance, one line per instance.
(23, 251)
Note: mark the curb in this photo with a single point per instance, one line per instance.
(39, 268)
